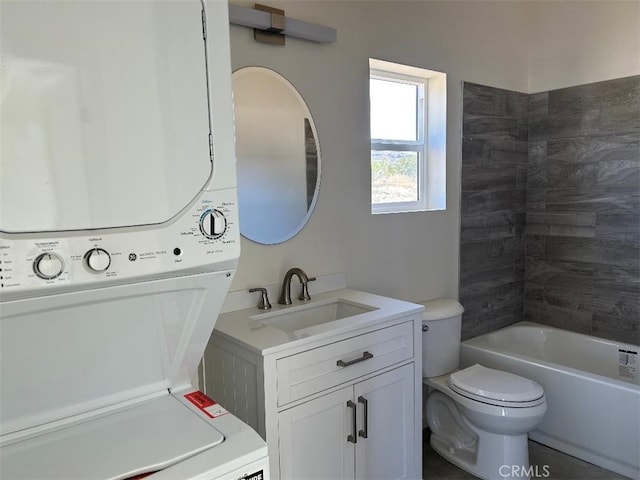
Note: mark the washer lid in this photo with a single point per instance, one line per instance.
(130, 441)
(495, 385)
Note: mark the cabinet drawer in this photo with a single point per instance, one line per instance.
(317, 369)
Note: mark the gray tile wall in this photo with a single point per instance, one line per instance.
(494, 182)
(550, 220)
(582, 251)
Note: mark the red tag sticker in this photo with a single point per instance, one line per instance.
(205, 404)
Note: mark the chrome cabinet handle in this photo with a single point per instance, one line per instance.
(353, 438)
(365, 430)
(365, 356)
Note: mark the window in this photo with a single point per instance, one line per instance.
(408, 131)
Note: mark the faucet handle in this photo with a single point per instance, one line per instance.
(263, 304)
(304, 294)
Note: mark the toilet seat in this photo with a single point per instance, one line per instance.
(496, 387)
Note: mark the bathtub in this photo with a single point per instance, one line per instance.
(592, 388)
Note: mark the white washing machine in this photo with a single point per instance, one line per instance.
(118, 240)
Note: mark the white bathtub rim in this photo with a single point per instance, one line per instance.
(616, 382)
(527, 323)
(542, 327)
(601, 379)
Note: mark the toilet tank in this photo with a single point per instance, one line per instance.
(441, 330)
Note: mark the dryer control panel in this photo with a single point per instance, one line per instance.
(203, 237)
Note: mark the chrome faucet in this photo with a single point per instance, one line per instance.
(285, 291)
(264, 303)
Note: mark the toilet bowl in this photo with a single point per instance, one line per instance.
(482, 431)
(479, 417)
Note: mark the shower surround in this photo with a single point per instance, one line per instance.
(550, 221)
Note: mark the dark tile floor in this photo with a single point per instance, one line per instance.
(557, 465)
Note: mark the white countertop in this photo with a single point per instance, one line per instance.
(246, 326)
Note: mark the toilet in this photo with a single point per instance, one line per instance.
(479, 417)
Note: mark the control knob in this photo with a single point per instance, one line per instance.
(48, 266)
(213, 224)
(98, 260)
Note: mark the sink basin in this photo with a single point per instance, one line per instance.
(300, 317)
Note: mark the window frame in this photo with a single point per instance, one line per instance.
(419, 145)
(432, 159)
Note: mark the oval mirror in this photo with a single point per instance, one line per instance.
(278, 156)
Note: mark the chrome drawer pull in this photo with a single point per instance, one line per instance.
(364, 433)
(353, 438)
(365, 356)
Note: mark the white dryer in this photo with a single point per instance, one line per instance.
(118, 240)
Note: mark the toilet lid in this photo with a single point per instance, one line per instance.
(495, 385)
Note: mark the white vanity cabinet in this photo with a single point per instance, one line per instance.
(343, 403)
(335, 436)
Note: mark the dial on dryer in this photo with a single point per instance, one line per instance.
(98, 260)
(213, 224)
(48, 265)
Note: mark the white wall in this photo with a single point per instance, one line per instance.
(577, 42)
(412, 256)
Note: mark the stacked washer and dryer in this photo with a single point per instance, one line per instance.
(118, 240)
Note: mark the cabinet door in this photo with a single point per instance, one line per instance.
(313, 438)
(388, 451)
